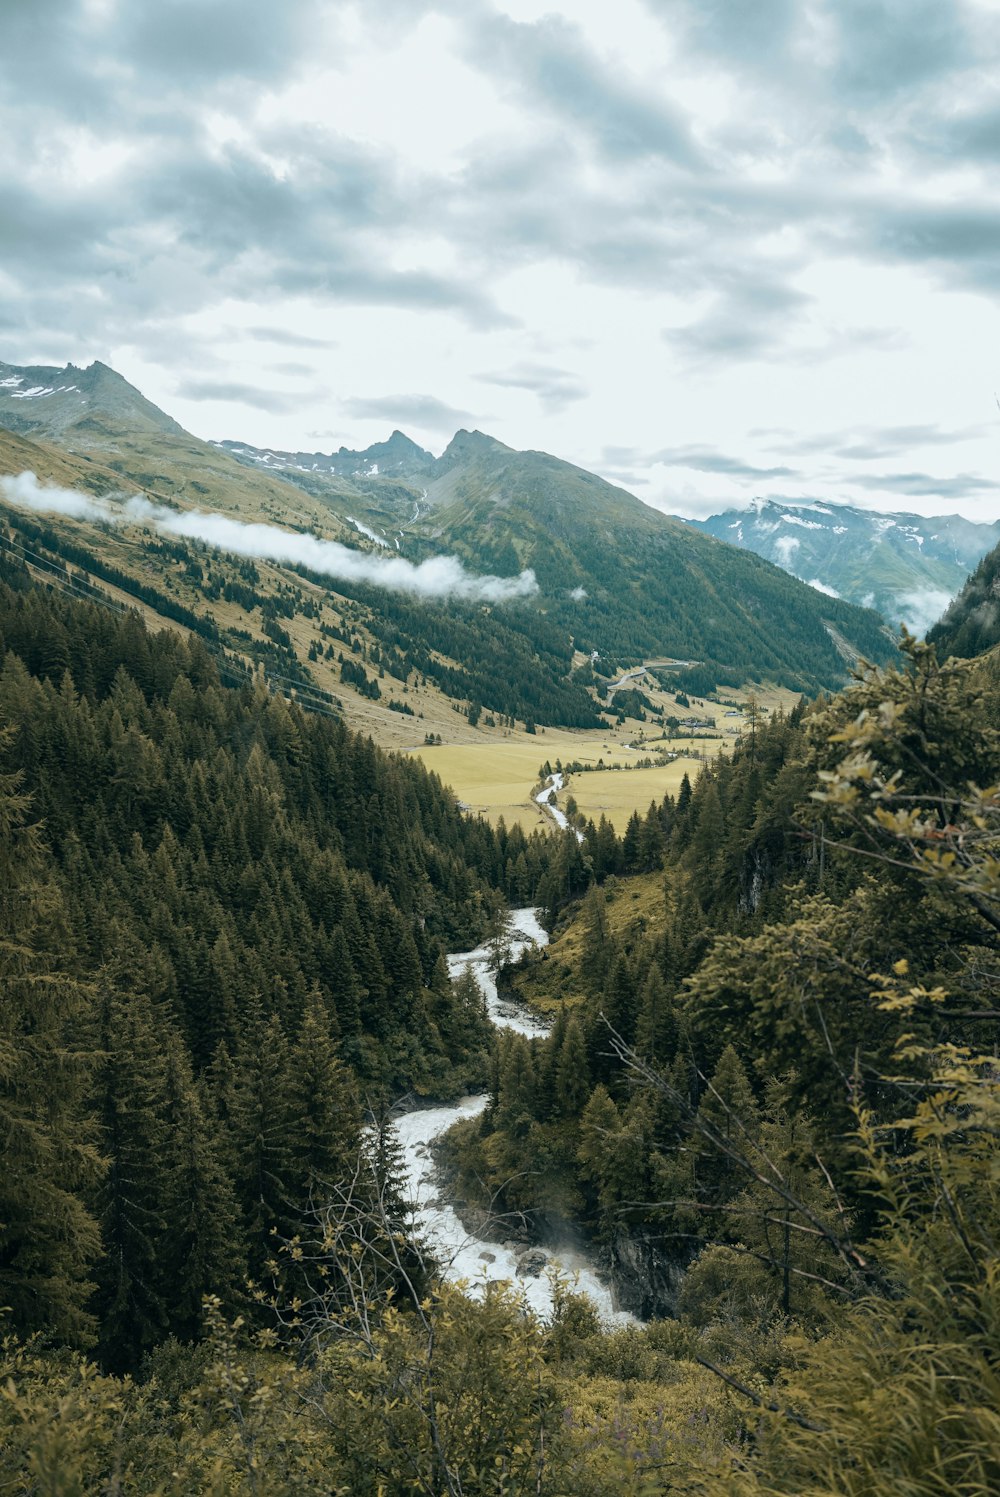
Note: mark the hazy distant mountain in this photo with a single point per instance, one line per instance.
(906, 566)
(399, 457)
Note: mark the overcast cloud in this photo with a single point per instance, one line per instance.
(710, 248)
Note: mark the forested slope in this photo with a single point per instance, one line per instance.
(236, 913)
(770, 1092)
(971, 623)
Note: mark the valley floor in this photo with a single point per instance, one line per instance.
(493, 772)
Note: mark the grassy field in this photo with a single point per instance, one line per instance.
(493, 772)
(496, 777)
(616, 794)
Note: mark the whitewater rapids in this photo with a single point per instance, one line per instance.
(461, 1256)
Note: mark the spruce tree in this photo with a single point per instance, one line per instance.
(265, 1174)
(324, 1117)
(135, 1194)
(48, 1238)
(203, 1248)
(572, 1082)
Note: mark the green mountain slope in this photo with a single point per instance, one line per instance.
(653, 586)
(972, 622)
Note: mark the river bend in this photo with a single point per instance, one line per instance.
(461, 1255)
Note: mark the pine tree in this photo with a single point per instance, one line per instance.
(600, 1122)
(728, 1120)
(656, 1031)
(598, 946)
(48, 1237)
(135, 1194)
(203, 1246)
(265, 1173)
(572, 1082)
(324, 1118)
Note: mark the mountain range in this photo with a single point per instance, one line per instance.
(617, 581)
(906, 566)
(648, 583)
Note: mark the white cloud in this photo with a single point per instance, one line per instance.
(823, 587)
(919, 610)
(26, 492)
(436, 577)
(786, 547)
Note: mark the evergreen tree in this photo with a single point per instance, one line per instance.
(48, 1237)
(572, 1080)
(135, 1195)
(657, 1030)
(203, 1251)
(324, 1117)
(265, 1174)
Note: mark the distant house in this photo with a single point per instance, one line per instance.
(697, 722)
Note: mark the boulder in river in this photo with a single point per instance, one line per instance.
(531, 1262)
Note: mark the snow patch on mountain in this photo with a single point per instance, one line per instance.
(806, 524)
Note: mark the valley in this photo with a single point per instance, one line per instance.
(618, 609)
(499, 749)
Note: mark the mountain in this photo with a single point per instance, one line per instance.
(95, 424)
(971, 623)
(399, 457)
(906, 566)
(624, 580)
(45, 401)
(616, 580)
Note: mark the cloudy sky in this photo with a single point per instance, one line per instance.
(711, 249)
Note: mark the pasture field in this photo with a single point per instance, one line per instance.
(493, 771)
(617, 793)
(496, 777)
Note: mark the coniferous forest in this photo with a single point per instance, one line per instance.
(768, 1098)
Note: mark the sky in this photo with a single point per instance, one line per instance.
(710, 249)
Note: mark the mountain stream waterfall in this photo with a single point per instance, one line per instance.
(462, 1256)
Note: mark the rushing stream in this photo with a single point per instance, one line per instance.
(462, 1256)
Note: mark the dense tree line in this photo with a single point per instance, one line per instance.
(749, 862)
(971, 623)
(224, 923)
(536, 654)
(718, 1082)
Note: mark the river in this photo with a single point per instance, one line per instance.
(547, 799)
(461, 1255)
